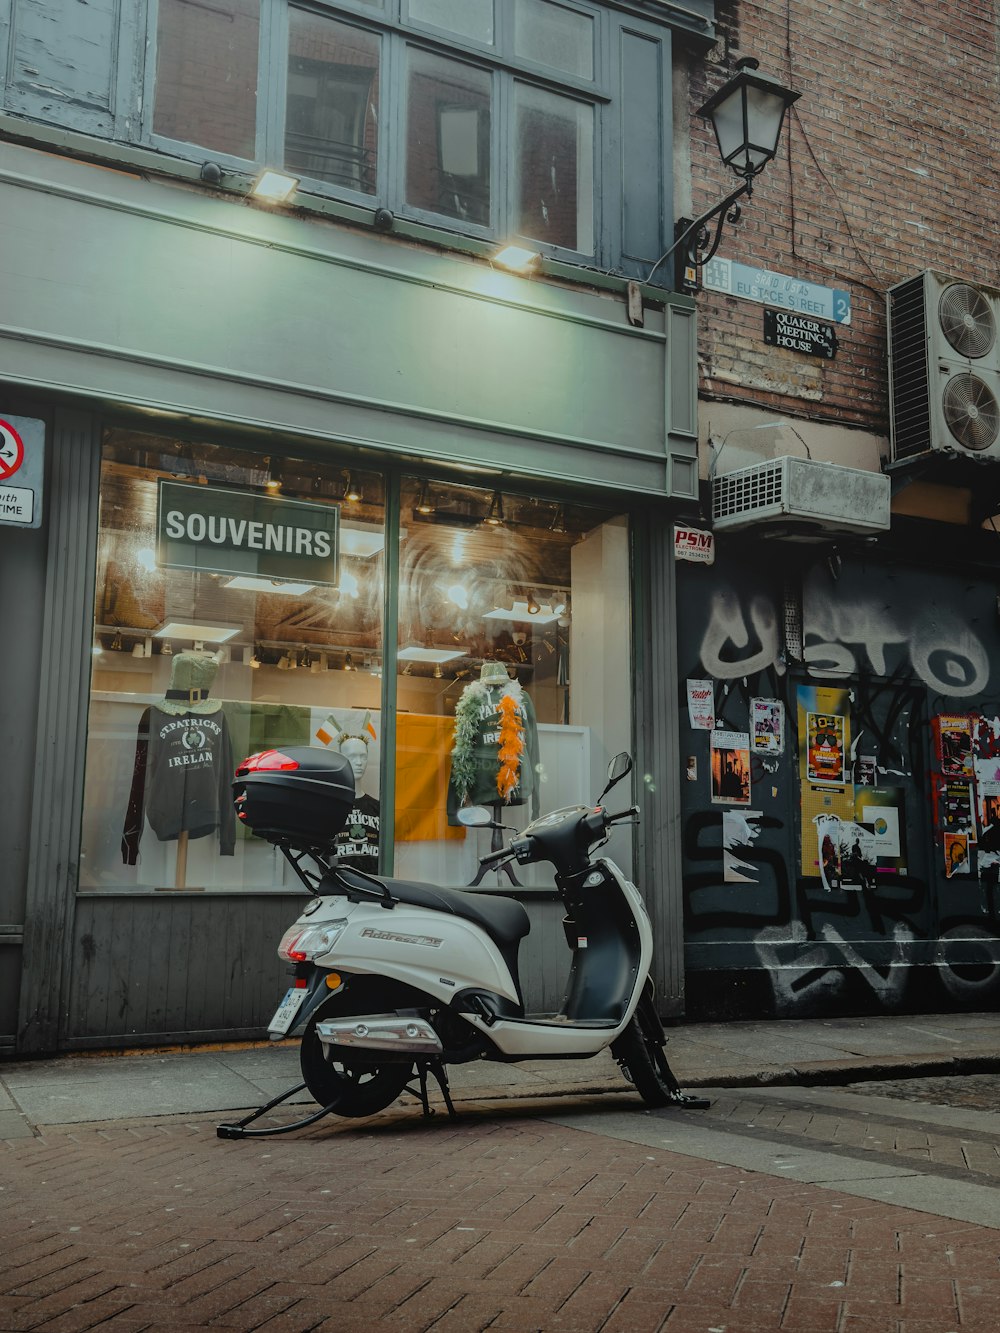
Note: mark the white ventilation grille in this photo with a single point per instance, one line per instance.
(796, 497)
(748, 489)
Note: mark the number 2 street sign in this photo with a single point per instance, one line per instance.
(22, 455)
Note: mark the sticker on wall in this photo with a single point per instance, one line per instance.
(691, 768)
(953, 740)
(701, 705)
(740, 830)
(767, 726)
(731, 767)
(866, 770)
(986, 749)
(956, 855)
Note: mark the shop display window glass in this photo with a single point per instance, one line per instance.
(239, 607)
(514, 684)
(555, 169)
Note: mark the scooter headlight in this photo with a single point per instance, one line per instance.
(301, 944)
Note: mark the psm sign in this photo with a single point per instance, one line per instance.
(695, 545)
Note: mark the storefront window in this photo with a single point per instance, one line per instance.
(514, 682)
(239, 608)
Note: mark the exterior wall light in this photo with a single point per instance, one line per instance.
(516, 258)
(274, 187)
(747, 114)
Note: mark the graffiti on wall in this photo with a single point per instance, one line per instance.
(864, 855)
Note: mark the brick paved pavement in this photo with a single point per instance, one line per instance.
(499, 1221)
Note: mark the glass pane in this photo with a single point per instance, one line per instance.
(551, 35)
(555, 164)
(206, 74)
(466, 18)
(239, 608)
(331, 132)
(448, 138)
(505, 596)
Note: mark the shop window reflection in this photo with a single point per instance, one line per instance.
(499, 595)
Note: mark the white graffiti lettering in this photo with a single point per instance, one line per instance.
(727, 625)
(804, 973)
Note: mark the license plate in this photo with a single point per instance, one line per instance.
(284, 1015)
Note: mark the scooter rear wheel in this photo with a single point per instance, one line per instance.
(353, 1087)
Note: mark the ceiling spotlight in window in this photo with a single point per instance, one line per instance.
(273, 483)
(424, 505)
(494, 515)
(274, 187)
(533, 605)
(352, 491)
(348, 662)
(558, 523)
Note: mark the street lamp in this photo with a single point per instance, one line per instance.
(747, 114)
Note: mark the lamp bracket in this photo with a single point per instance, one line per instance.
(699, 245)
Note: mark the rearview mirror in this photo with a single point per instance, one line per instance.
(620, 767)
(475, 816)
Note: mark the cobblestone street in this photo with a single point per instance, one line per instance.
(503, 1220)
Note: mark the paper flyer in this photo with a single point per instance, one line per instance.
(731, 767)
(701, 704)
(767, 726)
(826, 733)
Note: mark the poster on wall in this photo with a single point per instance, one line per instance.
(956, 855)
(953, 740)
(988, 846)
(701, 705)
(731, 767)
(882, 810)
(740, 830)
(955, 807)
(847, 853)
(826, 795)
(767, 726)
(826, 739)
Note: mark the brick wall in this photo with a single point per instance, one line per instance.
(888, 166)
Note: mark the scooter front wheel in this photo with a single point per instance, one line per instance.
(639, 1051)
(353, 1087)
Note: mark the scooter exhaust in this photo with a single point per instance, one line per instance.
(381, 1032)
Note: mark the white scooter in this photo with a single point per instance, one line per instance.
(395, 979)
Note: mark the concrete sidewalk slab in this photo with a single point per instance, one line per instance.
(85, 1088)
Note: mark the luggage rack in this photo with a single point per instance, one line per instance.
(295, 855)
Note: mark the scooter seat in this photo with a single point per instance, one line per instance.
(503, 919)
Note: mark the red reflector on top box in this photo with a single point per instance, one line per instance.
(300, 795)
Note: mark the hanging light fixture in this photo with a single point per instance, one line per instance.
(273, 483)
(352, 491)
(348, 662)
(533, 605)
(424, 505)
(494, 515)
(558, 523)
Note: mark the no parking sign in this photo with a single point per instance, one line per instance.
(22, 457)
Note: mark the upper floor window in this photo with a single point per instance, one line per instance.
(546, 121)
(487, 118)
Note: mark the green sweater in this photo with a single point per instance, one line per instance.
(484, 762)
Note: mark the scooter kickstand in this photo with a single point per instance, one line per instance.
(435, 1067)
(239, 1129)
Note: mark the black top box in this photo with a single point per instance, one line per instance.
(299, 795)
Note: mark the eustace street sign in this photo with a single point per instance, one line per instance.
(799, 333)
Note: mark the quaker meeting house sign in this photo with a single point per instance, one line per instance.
(217, 531)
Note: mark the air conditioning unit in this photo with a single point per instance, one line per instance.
(944, 369)
(797, 498)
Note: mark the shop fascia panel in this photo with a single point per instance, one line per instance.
(202, 307)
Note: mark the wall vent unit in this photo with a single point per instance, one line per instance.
(944, 369)
(797, 498)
